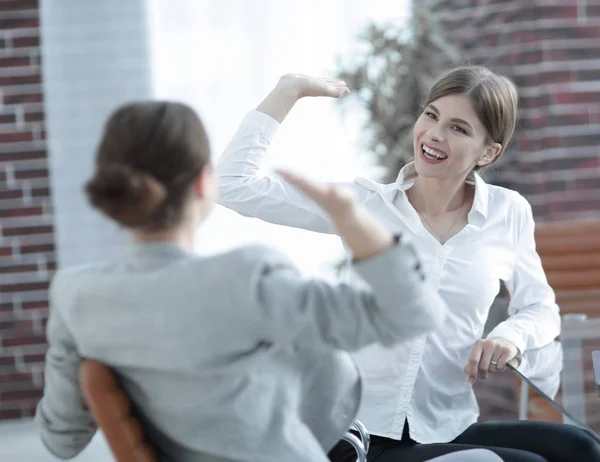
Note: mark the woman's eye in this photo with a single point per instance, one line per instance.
(459, 129)
(431, 115)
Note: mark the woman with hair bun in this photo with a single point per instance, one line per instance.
(232, 357)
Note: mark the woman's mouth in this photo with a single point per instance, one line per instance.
(432, 156)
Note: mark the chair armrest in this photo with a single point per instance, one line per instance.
(363, 432)
(596, 364)
(356, 443)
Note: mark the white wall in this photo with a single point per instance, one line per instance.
(223, 56)
(95, 54)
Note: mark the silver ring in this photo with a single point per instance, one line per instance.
(495, 363)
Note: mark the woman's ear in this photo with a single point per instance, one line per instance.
(490, 154)
(202, 185)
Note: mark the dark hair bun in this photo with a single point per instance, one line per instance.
(128, 196)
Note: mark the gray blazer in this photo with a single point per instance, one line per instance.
(228, 357)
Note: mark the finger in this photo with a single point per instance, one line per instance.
(313, 189)
(473, 364)
(337, 91)
(486, 357)
(336, 88)
(495, 361)
(506, 357)
(331, 81)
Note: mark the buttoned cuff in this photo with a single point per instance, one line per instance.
(507, 333)
(395, 267)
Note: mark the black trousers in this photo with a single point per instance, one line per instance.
(513, 441)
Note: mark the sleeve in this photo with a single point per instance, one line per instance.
(243, 189)
(543, 366)
(395, 304)
(534, 319)
(64, 424)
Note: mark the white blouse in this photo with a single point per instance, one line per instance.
(421, 380)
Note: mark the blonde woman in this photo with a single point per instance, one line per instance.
(418, 400)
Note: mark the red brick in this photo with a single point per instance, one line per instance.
(34, 358)
(553, 77)
(29, 174)
(570, 54)
(34, 79)
(11, 194)
(15, 137)
(584, 75)
(7, 119)
(9, 414)
(528, 56)
(34, 116)
(23, 287)
(5, 251)
(534, 102)
(556, 12)
(15, 376)
(563, 120)
(7, 361)
(22, 212)
(582, 97)
(28, 231)
(40, 192)
(21, 395)
(22, 341)
(23, 98)
(26, 42)
(12, 5)
(25, 155)
(586, 183)
(37, 248)
(592, 11)
(20, 61)
(19, 268)
(477, 28)
(34, 305)
(524, 37)
(30, 23)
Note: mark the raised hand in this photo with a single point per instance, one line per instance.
(364, 236)
(335, 200)
(292, 87)
(306, 85)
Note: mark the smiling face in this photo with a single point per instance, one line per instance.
(450, 140)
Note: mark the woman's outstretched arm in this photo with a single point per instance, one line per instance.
(242, 186)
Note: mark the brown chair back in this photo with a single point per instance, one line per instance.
(112, 412)
(570, 253)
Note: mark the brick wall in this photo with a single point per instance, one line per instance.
(27, 249)
(551, 50)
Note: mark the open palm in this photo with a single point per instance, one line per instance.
(335, 200)
(315, 86)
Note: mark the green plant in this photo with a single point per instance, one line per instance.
(391, 79)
